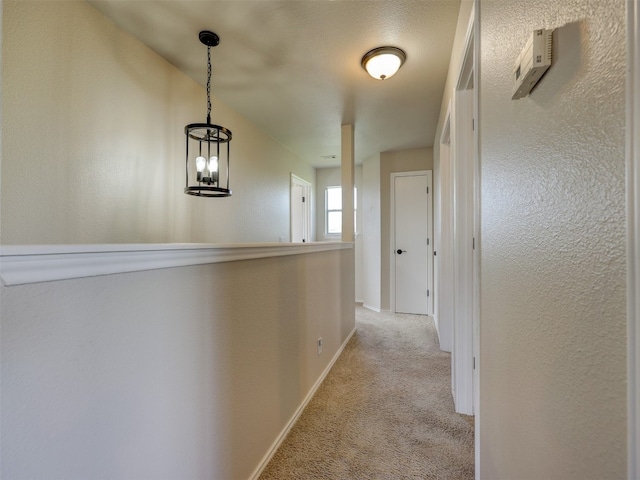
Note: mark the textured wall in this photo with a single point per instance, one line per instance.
(181, 373)
(390, 162)
(552, 377)
(93, 142)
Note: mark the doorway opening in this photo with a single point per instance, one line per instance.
(464, 356)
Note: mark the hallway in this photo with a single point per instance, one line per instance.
(384, 411)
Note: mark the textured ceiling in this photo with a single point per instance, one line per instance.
(293, 67)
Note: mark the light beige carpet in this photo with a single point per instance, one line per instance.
(385, 411)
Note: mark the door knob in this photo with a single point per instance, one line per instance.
(400, 252)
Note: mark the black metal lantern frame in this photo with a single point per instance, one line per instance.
(207, 146)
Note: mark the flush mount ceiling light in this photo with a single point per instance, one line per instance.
(383, 62)
(207, 159)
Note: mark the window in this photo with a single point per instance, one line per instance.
(333, 210)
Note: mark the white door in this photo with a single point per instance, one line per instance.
(300, 210)
(411, 225)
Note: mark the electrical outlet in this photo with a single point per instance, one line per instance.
(319, 345)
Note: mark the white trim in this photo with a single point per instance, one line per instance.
(392, 236)
(445, 137)
(292, 421)
(430, 236)
(466, 73)
(296, 180)
(633, 238)
(443, 262)
(369, 307)
(462, 351)
(477, 264)
(464, 147)
(44, 263)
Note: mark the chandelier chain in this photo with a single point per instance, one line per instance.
(208, 84)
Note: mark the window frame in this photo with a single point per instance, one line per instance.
(327, 210)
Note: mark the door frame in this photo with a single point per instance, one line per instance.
(477, 230)
(296, 181)
(465, 229)
(443, 244)
(392, 236)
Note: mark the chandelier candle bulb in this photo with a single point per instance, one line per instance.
(200, 163)
(213, 168)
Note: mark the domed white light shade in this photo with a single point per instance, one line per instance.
(383, 62)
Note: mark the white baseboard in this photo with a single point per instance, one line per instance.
(285, 431)
(369, 307)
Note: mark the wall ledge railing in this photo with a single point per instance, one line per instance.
(25, 264)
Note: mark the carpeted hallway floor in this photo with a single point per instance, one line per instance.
(385, 411)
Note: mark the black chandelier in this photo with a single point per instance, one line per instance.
(207, 158)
